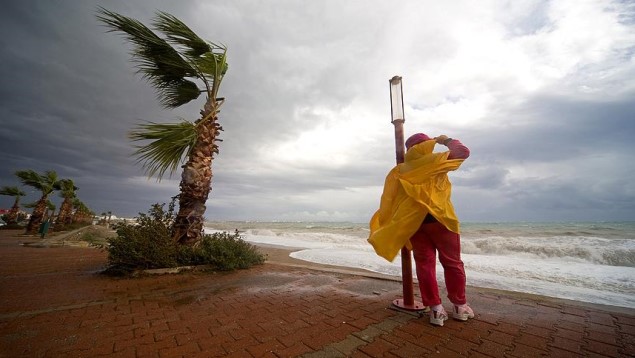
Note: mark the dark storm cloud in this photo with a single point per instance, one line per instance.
(301, 73)
(546, 129)
(60, 97)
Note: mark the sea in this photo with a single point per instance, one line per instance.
(591, 262)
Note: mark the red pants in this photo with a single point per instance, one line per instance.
(430, 238)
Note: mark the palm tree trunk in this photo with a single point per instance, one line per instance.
(37, 215)
(12, 216)
(64, 216)
(196, 181)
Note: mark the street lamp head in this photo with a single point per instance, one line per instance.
(396, 99)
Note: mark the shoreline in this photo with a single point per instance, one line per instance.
(280, 255)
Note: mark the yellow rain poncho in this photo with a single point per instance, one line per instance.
(414, 188)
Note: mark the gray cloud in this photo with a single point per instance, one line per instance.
(546, 111)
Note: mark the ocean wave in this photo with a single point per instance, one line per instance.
(594, 250)
(590, 262)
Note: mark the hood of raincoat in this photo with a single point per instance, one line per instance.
(413, 189)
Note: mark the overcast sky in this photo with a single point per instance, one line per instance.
(542, 92)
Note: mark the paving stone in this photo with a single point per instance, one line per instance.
(295, 350)
(625, 319)
(378, 348)
(368, 334)
(409, 350)
(573, 346)
(537, 331)
(500, 337)
(570, 326)
(601, 328)
(602, 318)
(602, 337)
(460, 346)
(607, 350)
(531, 340)
(330, 352)
(505, 327)
(348, 345)
(572, 335)
(556, 352)
(523, 351)
(628, 348)
(574, 311)
(493, 348)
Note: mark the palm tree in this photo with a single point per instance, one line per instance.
(172, 65)
(12, 216)
(49, 208)
(82, 212)
(67, 191)
(46, 184)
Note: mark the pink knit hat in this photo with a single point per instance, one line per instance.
(416, 139)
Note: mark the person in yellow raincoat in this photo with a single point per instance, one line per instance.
(416, 212)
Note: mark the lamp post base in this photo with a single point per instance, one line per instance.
(415, 306)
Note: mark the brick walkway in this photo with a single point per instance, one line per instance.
(53, 303)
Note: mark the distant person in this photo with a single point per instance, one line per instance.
(416, 212)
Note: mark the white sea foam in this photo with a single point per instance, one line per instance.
(584, 262)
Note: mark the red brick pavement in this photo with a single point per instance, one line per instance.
(54, 303)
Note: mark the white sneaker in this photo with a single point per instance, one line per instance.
(437, 317)
(462, 312)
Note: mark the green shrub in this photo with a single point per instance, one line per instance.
(148, 244)
(223, 251)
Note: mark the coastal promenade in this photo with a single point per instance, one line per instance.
(54, 303)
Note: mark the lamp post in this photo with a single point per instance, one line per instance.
(398, 119)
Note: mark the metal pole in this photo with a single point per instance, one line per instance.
(396, 100)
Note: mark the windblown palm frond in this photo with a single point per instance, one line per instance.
(45, 183)
(214, 65)
(50, 205)
(208, 58)
(156, 60)
(79, 206)
(11, 191)
(170, 143)
(178, 33)
(66, 187)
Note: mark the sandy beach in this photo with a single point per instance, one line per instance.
(54, 303)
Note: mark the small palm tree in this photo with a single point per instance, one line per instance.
(81, 212)
(45, 183)
(12, 216)
(172, 65)
(67, 191)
